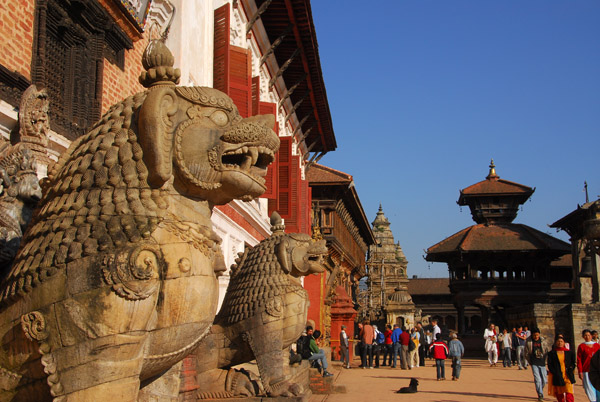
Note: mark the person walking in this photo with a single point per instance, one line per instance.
(436, 330)
(404, 340)
(585, 351)
(561, 363)
(318, 354)
(507, 348)
(536, 353)
(378, 345)
(344, 346)
(521, 339)
(440, 353)
(490, 345)
(389, 346)
(367, 336)
(456, 350)
(397, 345)
(594, 373)
(413, 348)
(358, 351)
(422, 344)
(428, 342)
(515, 342)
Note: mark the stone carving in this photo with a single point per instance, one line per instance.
(117, 271)
(34, 124)
(19, 163)
(19, 194)
(264, 312)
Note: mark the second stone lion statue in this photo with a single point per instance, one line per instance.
(264, 312)
(115, 280)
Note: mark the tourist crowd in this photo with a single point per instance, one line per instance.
(552, 365)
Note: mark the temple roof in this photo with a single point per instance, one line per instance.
(380, 219)
(428, 286)
(326, 178)
(573, 222)
(509, 237)
(493, 186)
(320, 174)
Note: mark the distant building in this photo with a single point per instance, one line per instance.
(498, 266)
(386, 299)
(583, 226)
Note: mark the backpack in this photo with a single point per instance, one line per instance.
(411, 345)
(380, 338)
(303, 346)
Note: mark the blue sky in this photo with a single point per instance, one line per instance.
(424, 93)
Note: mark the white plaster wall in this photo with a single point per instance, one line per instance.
(191, 41)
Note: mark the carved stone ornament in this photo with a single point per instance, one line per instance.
(34, 326)
(134, 273)
(34, 124)
(19, 194)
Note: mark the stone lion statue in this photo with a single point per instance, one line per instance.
(115, 280)
(264, 312)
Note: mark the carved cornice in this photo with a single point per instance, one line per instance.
(12, 86)
(346, 217)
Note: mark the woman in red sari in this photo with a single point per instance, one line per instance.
(561, 363)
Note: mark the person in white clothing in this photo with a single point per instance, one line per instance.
(436, 330)
(490, 345)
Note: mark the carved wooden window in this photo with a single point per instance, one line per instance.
(72, 38)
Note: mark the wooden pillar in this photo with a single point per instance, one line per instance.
(461, 318)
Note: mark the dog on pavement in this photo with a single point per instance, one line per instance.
(411, 389)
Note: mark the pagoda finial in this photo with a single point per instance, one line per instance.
(380, 208)
(158, 61)
(277, 226)
(492, 174)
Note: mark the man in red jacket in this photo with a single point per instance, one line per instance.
(404, 339)
(439, 351)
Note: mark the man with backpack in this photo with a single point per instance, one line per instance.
(379, 345)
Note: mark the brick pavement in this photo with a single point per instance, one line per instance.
(478, 383)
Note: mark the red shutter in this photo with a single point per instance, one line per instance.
(283, 182)
(240, 84)
(232, 69)
(221, 52)
(271, 177)
(305, 224)
(256, 96)
(292, 224)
